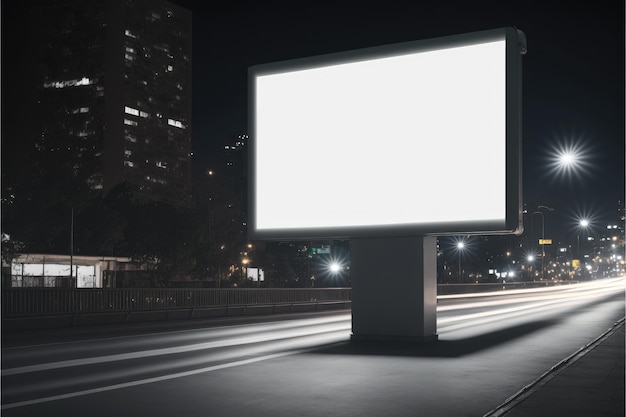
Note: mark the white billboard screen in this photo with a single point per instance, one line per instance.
(399, 140)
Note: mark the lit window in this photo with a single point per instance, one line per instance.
(175, 123)
(143, 114)
(161, 164)
(170, 68)
(127, 152)
(129, 164)
(130, 122)
(130, 110)
(129, 49)
(68, 83)
(129, 57)
(129, 34)
(130, 138)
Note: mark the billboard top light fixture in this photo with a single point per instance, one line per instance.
(409, 139)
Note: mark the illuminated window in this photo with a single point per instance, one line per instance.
(170, 68)
(130, 122)
(129, 57)
(129, 49)
(129, 34)
(175, 123)
(68, 83)
(143, 114)
(130, 138)
(127, 152)
(129, 164)
(161, 164)
(130, 110)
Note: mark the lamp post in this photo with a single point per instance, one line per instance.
(543, 235)
(531, 258)
(460, 246)
(583, 224)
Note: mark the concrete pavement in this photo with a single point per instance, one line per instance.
(589, 383)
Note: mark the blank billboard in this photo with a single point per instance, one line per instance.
(408, 139)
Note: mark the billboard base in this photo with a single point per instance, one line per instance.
(394, 288)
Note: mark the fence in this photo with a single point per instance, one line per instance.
(42, 301)
(18, 302)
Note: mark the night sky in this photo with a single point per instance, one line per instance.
(573, 77)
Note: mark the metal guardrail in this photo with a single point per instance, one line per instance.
(18, 302)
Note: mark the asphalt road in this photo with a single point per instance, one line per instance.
(490, 346)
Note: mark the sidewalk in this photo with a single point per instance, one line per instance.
(588, 384)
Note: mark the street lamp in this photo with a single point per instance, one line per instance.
(543, 234)
(569, 158)
(530, 259)
(460, 246)
(583, 224)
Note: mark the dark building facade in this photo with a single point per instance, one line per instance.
(113, 95)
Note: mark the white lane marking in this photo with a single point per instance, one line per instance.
(151, 380)
(168, 351)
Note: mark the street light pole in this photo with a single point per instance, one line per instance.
(460, 247)
(543, 236)
(583, 225)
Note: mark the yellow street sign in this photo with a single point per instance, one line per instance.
(545, 241)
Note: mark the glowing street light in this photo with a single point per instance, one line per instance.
(582, 225)
(460, 246)
(569, 158)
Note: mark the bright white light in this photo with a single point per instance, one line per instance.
(460, 245)
(443, 110)
(569, 158)
(335, 267)
(584, 223)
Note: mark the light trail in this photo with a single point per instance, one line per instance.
(159, 356)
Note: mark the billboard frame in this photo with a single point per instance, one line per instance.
(512, 224)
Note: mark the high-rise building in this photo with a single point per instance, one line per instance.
(113, 94)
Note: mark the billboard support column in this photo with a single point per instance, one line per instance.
(394, 288)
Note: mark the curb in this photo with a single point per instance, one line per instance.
(534, 386)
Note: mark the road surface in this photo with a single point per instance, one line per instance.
(490, 346)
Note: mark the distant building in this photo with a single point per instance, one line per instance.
(113, 92)
(49, 270)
